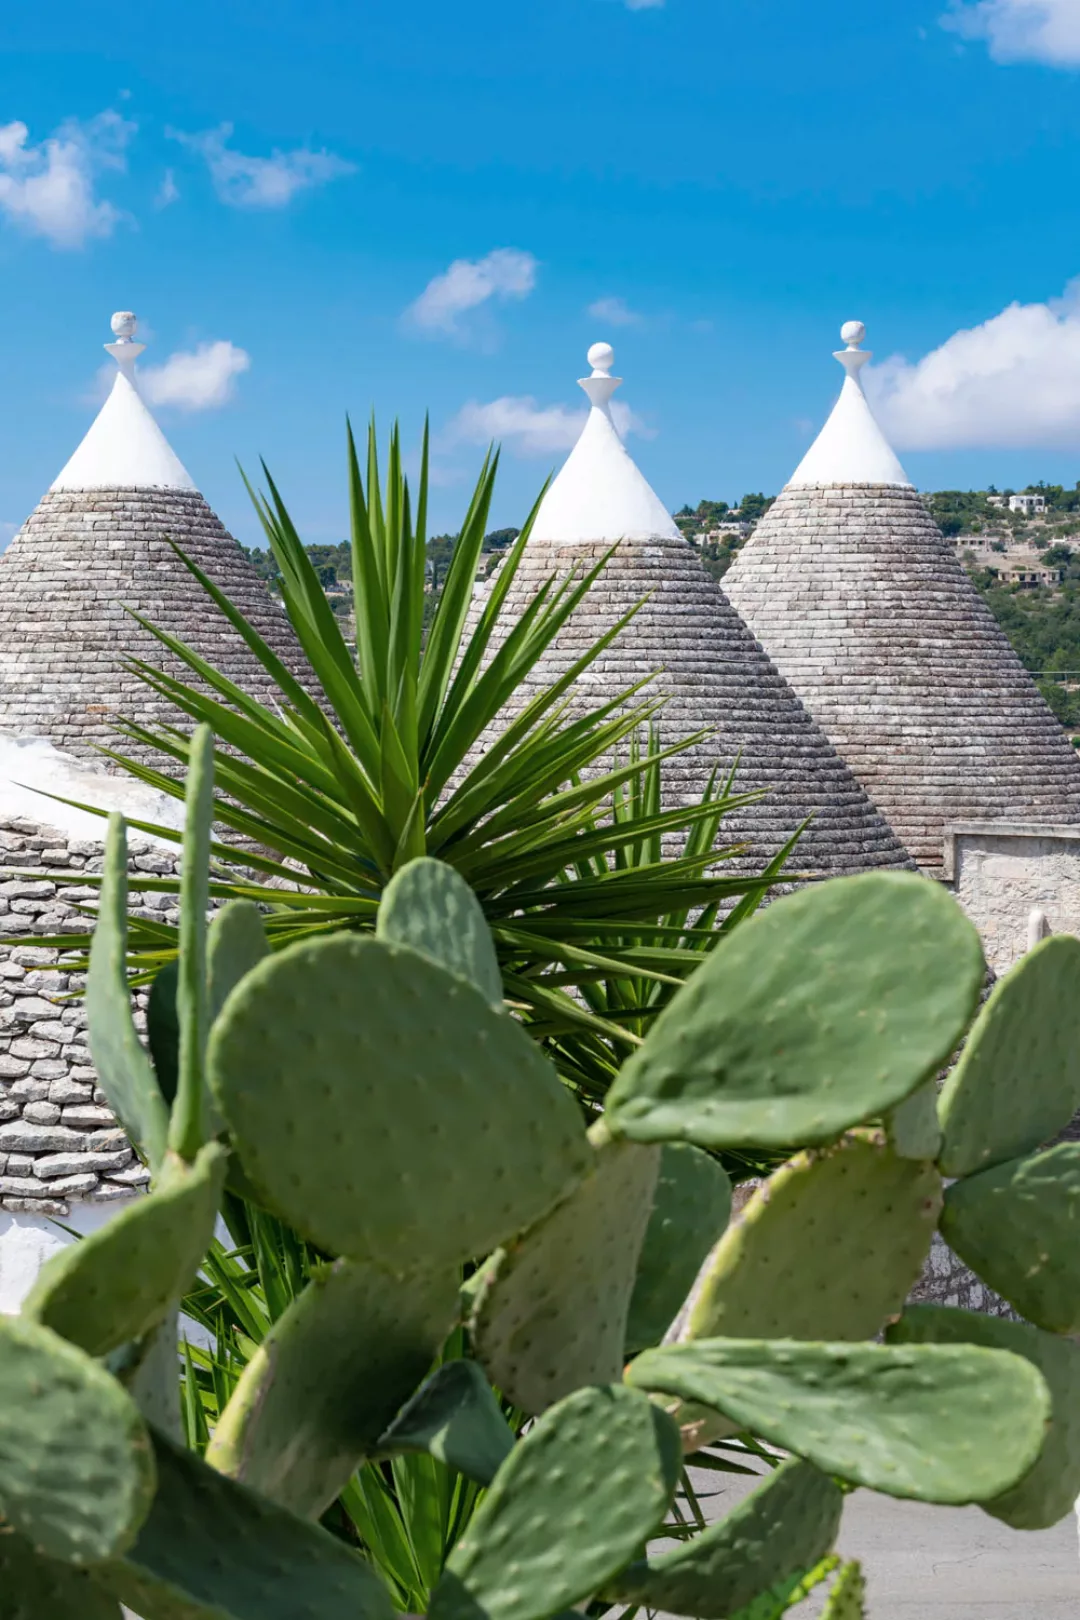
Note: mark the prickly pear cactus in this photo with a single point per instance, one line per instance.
(378, 1096)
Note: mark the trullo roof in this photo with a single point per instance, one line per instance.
(98, 544)
(865, 609)
(711, 668)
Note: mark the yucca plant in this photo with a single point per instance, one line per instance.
(414, 745)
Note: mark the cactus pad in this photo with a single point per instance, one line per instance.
(1046, 1494)
(76, 1469)
(552, 1313)
(1017, 1083)
(828, 1248)
(118, 1283)
(691, 1208)
(37, 1588)
(212, 1550)
(1018, 1227)
(455, 1417)
(236, 942)
(941, 1423)
(573, 1503)
(386, 1109)
(328, 1378)
(431, 907)
(847, 1600)
(790, 1520)
(913, 1127)
(123, 1068)
(827, 1009)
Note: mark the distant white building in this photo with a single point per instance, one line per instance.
(1028, 504)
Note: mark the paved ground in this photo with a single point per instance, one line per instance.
(931, 1563)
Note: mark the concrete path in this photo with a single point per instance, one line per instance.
(933, 1563)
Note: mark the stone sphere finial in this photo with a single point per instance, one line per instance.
(123, 325)
(852, 333)
(601, 357)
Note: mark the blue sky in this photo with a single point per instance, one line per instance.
(335, 205)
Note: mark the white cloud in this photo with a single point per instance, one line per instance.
(1021, 30)
(1012, 382)
(49, 189)
(502, 274)
(529, 429)
(168, 191)
(198, 379)
(615, 311)
(244, 181)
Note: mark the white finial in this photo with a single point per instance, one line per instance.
(125, 351)
(852, 358)
(601, 357)
(600, 384)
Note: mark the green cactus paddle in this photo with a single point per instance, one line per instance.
(572, 1504)
(386, 1109)
(1017, 1083)
(551, 1315)
(1047, 1492)
(1018, 1227)
(847, 1600)
(123, 1068)
(941, 1423)
(828, 1248)
(429, 906)
(455, 1417)
(691, 1208)
(33, 1587)
(799, 1024)
(76, 1469)
(790, 1520)
(118, 1283)
(328, 1379)
(213, 1550)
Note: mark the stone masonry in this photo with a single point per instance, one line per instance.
(79, 562)
(713, 674)
(58, 1139)
(864, 608)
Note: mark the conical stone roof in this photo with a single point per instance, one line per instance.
(712, 671)
(866, 610)
(98, 544)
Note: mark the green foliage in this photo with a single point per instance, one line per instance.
(382, 1105)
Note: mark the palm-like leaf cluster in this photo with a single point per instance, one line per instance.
(411, 744)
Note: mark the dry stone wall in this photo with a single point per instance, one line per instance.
(864, 608)
(714, 676)
(58, 1140)
(69, 577)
